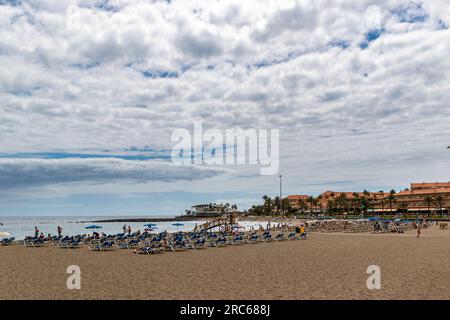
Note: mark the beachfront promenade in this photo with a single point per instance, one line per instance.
(325, 266)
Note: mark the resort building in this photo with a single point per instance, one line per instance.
(428, 185)
(347, 200)
(424, 197)
(208, 210)
(420, 198)
(298, 202)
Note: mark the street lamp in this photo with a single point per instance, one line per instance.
(281, 197)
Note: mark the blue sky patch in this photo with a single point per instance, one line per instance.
(10, 2)
(106, 6)
(159, 74)
(442, 25)
(64, 155)
(411, 13)
(344, 44)
(371, 36)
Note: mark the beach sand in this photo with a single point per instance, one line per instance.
(326, 266)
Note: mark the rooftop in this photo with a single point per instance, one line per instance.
(431, 185)
(424, 191)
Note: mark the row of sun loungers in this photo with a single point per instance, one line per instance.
(203, 242)
(356, 226)
(150, 244)
(105, 246)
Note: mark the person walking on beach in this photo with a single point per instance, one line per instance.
(124, 228)
(36, 232)
(129, 230)
(59, 229)
(418, 232)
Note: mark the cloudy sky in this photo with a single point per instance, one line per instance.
(91, 91)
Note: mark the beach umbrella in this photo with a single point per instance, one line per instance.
(149, 225)
(150, 229)
(178, 225)
(93, 227)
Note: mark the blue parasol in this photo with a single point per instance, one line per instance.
(149, 225)
(178, 225)
(93, 227)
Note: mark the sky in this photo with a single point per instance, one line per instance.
(91, 92)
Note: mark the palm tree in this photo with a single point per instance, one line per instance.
(277, 203)
(404, 207)
(439, 199)
(429, 201)
(311, 203)
(267, 204)
(382, 201)
(356, 200)
(342, 201)
(286, 205)
(319, 200)
(333, 201)
(373, 202)
(301, 205)
(366, 200)
(391, 199)
(330, 205)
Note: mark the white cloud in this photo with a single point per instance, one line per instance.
(296, 65)
(24, 173)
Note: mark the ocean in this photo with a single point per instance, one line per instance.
(20, 227)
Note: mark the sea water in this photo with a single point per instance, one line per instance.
(20, 227)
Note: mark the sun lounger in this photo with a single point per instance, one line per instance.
(253, 239)
(200, 243)
(180, 246)
(211, 244)
(74, 244)
(267, 236)
(221, 242)
(129, 244)
(63, 244)
(34, 243)
(280, 237)
(145, 250)
(105, 246)
(7, 241)
(293, 236)
(237, 240)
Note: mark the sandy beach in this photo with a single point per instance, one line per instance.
(326, 266)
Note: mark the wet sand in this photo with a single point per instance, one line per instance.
(326, 266)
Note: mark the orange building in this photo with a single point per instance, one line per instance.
(432, 198)
(298, 201)
(327, 198)
(424, 197)
(429, 185)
